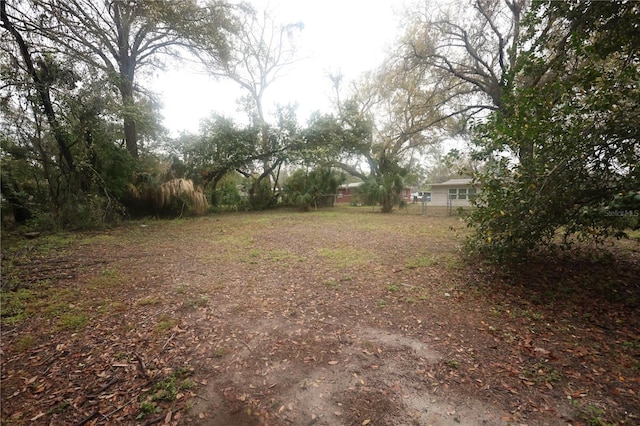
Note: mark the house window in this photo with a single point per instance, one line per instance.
(472, 193)
(453, 193)
(462, 194)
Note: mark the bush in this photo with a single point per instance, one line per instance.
(315, 188)
(227, 196)
(261, 196)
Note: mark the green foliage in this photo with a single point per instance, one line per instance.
(455, 164)
(166, 390)
(562, 158)
(113, 167)
(352, 136)
(385, 185)
(224, 148)
(422, 262)
(315, 188)
(43, 192)
(63, 160)
(346, 256)
(391, 180)
(369, 193)
(25, 343)
(73, 321)
(452, 363)
(147, 408)
(87, 211)
(261, 196)
(221, 147)
(328, 138)
(13, 305)
(227, 194)
(592, 414)
(17, 179)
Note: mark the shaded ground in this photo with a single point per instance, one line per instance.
(325, 318)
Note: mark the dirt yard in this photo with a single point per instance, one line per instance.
(337, 317)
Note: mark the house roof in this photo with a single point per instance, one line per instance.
(351, 185)
(454, 182)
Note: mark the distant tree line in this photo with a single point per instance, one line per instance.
(545, 93)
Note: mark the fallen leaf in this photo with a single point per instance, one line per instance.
(509, 388)
(366, 422)
(542, 351)
(36, 417)
(333, 362)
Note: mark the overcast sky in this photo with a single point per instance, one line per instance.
(350, 35)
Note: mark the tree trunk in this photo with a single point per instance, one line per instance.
(128, 105)
(387, 203)
(131, 135)
(214, 186)
(127, 66)
(264, 135)
(257, 194)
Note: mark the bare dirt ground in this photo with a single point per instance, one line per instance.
(338, 317)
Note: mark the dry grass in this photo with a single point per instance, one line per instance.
(179, 194)
(176, 189)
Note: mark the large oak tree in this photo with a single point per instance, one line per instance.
(260, 52)
(121, 38)
(580, 124)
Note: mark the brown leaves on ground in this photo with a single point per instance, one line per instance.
(331, 317)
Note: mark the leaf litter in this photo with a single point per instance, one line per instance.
(187, 324)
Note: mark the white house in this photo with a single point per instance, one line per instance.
(450, 195)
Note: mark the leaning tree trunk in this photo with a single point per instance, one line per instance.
(59, 134)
